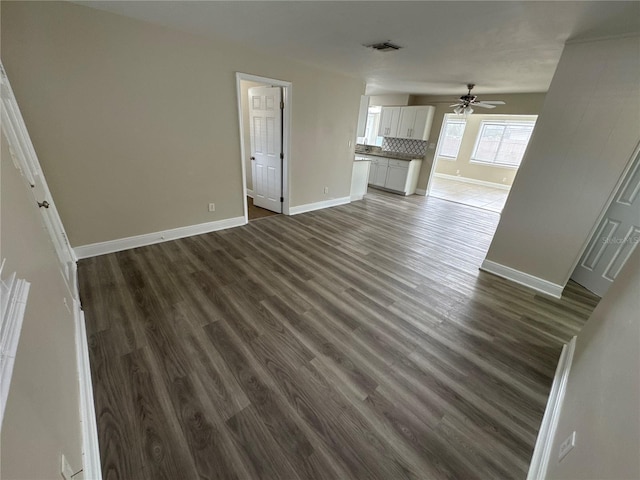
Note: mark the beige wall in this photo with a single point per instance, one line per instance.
(462, 165)
(245, 85)
(602, 400)
(584, 138)
(389, 100)
(136, 125)
(42, 416)
(516, 104)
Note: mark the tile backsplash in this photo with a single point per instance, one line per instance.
(403, 145)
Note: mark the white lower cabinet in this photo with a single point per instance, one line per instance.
(378, 171)
(400, 176)
(397, 178)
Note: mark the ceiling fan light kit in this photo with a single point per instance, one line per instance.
(467, 102)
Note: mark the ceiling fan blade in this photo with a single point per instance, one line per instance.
(483, 105)
(495, 102)
(455, 105)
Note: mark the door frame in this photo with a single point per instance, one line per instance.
(612, 196)
(287, 88)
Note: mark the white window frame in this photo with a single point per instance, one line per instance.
(450, 119)
(506, 124)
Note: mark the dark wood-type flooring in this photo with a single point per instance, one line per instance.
(356, 342)
(255, 213)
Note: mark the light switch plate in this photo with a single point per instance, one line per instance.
(567, 446)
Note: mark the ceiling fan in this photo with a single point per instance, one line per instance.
(467, 102)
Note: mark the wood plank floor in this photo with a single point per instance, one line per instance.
(255, 213)
(357, 342)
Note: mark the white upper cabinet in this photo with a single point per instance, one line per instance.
(406, 122)
(415, 122)
(389, 120)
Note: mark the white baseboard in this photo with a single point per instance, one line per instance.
(546, 435)
(501, 186)
(309, 207)
(521, 278)
(421, 191)
(92, 469)
(249, 193)
(355, 198)
(102, 248)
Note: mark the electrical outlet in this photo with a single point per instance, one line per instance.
(326, 189)
(65, 469)
(567, 446)
(212, 207)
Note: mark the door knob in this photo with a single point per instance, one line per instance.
(44, 204)
(253, 158)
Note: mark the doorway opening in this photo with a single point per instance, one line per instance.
(477, 158)
(264, 112)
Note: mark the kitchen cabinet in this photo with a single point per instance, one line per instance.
(389, 120)
(400, 176)
(415, 122)
(378, 171)
(397, 177)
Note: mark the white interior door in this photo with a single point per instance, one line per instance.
(616, 237)
(265, 123)
(25, 159)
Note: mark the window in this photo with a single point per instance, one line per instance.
(371, 128)
(452, 138)
(502, 143)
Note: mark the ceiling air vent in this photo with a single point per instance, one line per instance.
(384, 47)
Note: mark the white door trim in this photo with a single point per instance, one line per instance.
(603, 212)
(287, 88)
(26, 161)
(88, 423)
(13, 302)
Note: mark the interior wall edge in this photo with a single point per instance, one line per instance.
(538, 284)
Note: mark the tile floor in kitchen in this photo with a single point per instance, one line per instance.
(481, 196)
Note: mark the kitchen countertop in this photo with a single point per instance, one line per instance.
(382, 153)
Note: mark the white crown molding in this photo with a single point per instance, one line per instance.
(472, 180)
(547, 433)
(102, 248)
(309, 207)
(540, 285)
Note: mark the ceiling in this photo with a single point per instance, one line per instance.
(503, 47)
